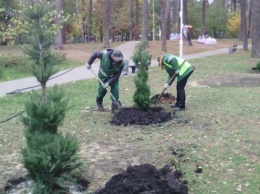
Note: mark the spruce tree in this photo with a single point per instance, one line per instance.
(40, 40)
(142, 93)
(50, 157)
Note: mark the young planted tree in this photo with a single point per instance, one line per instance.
(50, 157)
(142, 93)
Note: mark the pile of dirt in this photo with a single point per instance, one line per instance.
(166, 98)
(146, 179)
(134, 116)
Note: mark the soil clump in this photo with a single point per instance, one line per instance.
(146, 179)
(166, 98)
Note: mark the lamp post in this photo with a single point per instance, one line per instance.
(181, 27)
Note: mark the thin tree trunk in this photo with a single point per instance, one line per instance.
(58, 39)
(185, 12)
(107, 24)
(243, 24)
(175, 15)
(83, 19)
(249, 19)
(137, 18)
(203, 17)
(79, 19)
(131, 21)
(255, 28)
(89, 25)
(168, 6)
(163, 22)
(145, 22)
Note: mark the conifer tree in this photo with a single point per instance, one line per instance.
(142, 93)
(40, 40)
(50, 157)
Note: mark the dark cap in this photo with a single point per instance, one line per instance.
(118, 56)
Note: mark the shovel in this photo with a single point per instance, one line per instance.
(119, 105)
(170, 81)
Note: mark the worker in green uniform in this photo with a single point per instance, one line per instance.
(110, 69)
(180, 68)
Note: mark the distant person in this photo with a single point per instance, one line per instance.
(111, 67)
(180, 68)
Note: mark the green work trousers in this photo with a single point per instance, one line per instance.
(114, 89)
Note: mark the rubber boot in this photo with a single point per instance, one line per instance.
(100, 104)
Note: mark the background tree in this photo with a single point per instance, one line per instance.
(167, 17)
(217, 15)
(58, 39)
(243, 26)
(79, 18)
(107, 24)
(249, 18)
(144, 35)
(137, 27)
(224, 4)
(216, 19)
(131, 11)
(203, 17)
(255, 28)
(89, 24)
(163, 4)
(185, 12)
(175, 15)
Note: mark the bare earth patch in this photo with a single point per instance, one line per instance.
(235, 80)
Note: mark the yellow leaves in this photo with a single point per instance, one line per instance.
(18, 25)
(233, 23)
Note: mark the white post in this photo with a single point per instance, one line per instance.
(153, 20)
(181, 28)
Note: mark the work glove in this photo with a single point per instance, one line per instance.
(88, 66)
(166, 86)
(105, 85)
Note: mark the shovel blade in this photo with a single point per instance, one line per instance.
(116, 105)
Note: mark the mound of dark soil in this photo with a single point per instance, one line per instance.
(145, 179)
(135, 116)
(166, 98)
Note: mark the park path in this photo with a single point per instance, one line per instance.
(81, 73)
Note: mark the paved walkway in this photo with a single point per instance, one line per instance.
(81, 73)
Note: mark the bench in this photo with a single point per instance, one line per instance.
(133, 68)
(233, 49)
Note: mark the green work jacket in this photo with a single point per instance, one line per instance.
(173, 63)
(108, 69)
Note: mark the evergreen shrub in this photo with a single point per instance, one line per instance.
(142, 93)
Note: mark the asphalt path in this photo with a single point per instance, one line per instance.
(81, 73)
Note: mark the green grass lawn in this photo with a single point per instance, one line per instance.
(70, 54)
(219, 130)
